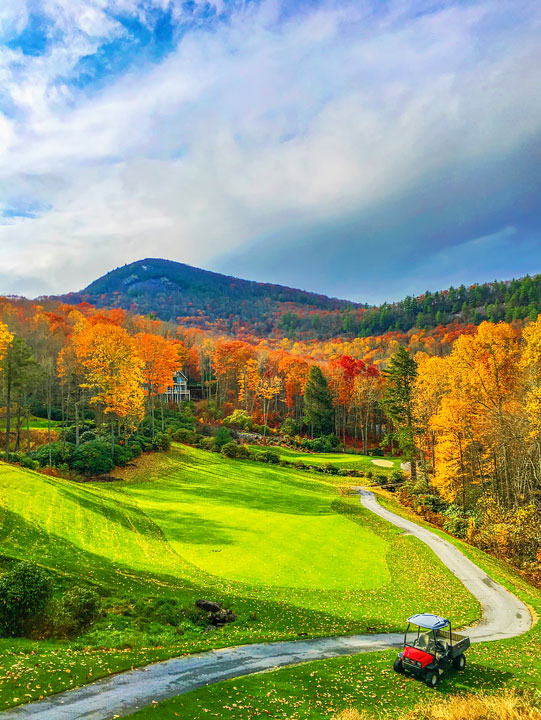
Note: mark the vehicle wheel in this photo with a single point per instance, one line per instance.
(459, 663)
(431, 679)
(397, 666)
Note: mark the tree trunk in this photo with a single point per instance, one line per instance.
(27, 428)
(76, 407)
(49, 422)
(18, 431)
(8, 405)
(112, 440)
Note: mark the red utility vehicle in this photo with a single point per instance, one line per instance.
(431, 648)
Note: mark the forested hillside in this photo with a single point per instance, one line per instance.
(198, 298)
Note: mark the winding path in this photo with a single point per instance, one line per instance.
(504, 616)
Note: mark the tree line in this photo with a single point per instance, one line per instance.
(467, 418)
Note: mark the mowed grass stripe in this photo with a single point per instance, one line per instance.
(256, 524)
(56, 511)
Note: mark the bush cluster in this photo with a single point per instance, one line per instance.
(93, 455)
(24, 592)
(232, 450)
(326, 444)
(74, 613)
(27, 605)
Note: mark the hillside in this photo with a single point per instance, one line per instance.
(194, 524)
(199, 298)
(174, 291)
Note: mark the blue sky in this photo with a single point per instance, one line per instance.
(366, 149)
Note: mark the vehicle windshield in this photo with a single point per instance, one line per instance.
(421, 638)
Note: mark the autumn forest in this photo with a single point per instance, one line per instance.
(83, 391)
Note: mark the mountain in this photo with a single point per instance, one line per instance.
(200, 298)
(182, 293)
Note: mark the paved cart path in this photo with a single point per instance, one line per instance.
(504, 615)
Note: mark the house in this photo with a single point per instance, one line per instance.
(178, 392)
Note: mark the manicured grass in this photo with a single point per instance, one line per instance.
(344, 461)
(281, 547)
(35, 423)
(318, 690)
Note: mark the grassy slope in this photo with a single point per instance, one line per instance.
(317, 690)
(157, 533)
(344, 461)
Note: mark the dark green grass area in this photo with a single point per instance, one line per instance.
(281, 548)
(318, 690)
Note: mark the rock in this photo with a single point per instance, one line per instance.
(217, 615)
(209, 606)
(222, 617)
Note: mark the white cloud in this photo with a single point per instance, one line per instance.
(252, 127)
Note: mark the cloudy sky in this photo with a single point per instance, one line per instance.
(366, 149)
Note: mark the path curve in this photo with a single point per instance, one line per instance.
(504, 615)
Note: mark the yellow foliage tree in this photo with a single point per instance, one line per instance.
(112, 370)
(531, 362)
(5, 338)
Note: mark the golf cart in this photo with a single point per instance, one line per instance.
(430, 648)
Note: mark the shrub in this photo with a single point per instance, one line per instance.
(135, 448)
(184, 435)
(241, 419)
(76, 611)
(456, 526)
(60, 452)
(222, 437)
(230, 450)
(289, 427)
(329, 468)
(162, 442)
(87, 436)
(27, 462)
(396, 476)
(70, 433)
(168, 611)
(23, 459)
(270, 456)
(299, 464)
(122, 455)
(92, 458)
(24, 592)
(207, 443)
(437, 504)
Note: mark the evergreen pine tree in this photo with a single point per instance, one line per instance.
(317, 403)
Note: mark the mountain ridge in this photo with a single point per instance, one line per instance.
(179, 292)
(194, 297)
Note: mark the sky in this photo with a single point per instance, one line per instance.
(366, 150)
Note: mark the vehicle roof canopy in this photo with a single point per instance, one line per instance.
(430, 622)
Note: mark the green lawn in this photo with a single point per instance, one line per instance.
(35, 423)
(281, 547)
(317, 690)
(344, 461)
